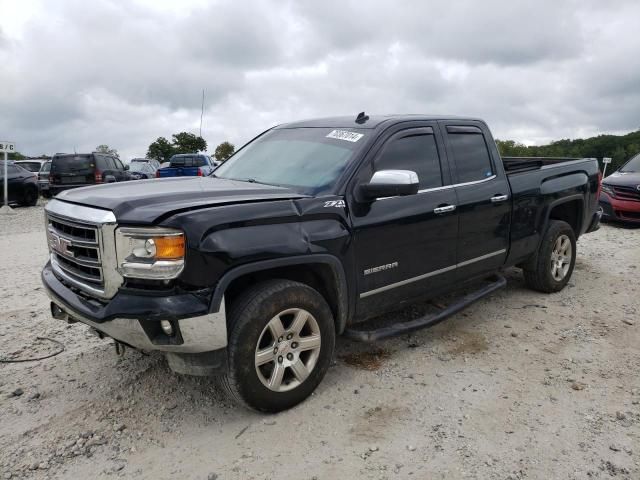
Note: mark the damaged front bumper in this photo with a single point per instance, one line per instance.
(195, 346)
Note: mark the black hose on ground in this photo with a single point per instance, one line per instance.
(20, 360)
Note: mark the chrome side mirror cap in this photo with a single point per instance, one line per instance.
(390, 183)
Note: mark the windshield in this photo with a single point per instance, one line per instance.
(138, 166)
(309, 160)
(632, 165)
(72, 163)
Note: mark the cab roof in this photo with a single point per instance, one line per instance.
(371, 122)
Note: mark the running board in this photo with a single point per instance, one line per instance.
(370, 336)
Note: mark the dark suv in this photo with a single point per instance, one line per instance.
(82, 169)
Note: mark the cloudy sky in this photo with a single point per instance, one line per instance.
(75, 74)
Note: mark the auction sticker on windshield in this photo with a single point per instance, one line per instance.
(345, 135)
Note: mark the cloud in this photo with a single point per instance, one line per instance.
(77, 74)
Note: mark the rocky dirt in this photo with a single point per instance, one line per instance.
(518, 386)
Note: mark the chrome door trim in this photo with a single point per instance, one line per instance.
(407, 281)
(430, 274)
(446, 187)
(482, 257)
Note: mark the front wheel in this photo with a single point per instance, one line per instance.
(552, 267)
(281, 342)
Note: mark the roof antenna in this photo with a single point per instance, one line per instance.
(362, 117)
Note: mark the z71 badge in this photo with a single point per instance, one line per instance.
(334, 203)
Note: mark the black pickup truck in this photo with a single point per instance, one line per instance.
(305, 233)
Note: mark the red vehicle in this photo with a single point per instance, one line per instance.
(620, 196)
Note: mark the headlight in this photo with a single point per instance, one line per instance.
(608, 189)
(155, 253)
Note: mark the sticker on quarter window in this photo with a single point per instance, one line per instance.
(345, 135)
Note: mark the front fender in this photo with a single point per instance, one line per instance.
(264, 265)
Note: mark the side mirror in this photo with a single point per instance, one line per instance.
(390, 183)
(126, 167)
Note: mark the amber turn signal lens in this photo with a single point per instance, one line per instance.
(169, 248)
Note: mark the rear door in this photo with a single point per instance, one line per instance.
(483, 195)
(120, 172)
(404, 248)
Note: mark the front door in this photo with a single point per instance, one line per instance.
(484, 198)
(405, 245)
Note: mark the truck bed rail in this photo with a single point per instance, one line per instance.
(525, 164)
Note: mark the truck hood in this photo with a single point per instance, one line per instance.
(623, 179)
(145, 201)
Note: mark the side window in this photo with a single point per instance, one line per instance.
(12, 170)
(102, 163)
(470, 154)
(118, 163)
(200, 162)
(417, 153)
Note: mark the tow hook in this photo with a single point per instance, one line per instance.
(59, 314)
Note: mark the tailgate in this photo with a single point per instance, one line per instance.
(178, 172)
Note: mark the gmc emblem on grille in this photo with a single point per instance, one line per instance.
(60, 245)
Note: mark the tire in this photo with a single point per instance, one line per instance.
(252, 322)
(552, 266)
(30, 197)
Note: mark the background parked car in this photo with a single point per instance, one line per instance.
(22, 185)
(43, 179)
(139, 170)
(188, 165)
(81, 169)
(33, 165)
(154, 163)
(620, 197)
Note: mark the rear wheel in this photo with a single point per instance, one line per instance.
(30, 197)
(281, 342)
(552, 267)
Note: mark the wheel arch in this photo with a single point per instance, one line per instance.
(568, 209)
(323, 272)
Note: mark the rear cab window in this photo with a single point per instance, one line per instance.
(470, 153)
(188, 161)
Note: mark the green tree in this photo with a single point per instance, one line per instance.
(106, 149)
(185, 142)
(224, 151)
(160, 150)
(13, 156)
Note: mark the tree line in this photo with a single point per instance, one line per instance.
(184, 142)
(619, 148)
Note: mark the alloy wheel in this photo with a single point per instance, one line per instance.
(287, 350)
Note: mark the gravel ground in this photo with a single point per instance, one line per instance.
(519, 385)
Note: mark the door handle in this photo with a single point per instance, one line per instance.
(499, 198)
(445, 209)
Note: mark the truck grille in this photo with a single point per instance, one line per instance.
(75, 249)
(627, 193)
